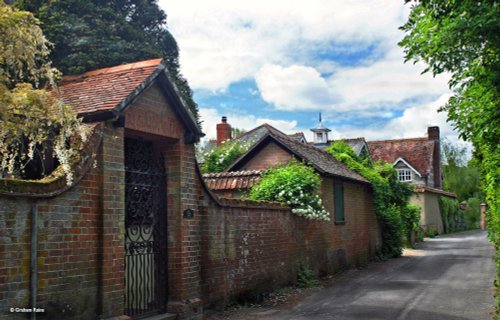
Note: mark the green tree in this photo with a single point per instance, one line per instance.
(459, 175)
(96, 34)
(462, 37)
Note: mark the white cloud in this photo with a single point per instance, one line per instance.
(247, 122)
(293, 88)
(384, 83)
(224, 41)
(412, 123)
(377, 86)
(277, 43)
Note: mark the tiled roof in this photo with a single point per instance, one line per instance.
(355, 143)
(232, 180)
(418, 152)
(103, 89)
(299, 136)
(321, 160)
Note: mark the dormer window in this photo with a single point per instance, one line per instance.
(404, 174)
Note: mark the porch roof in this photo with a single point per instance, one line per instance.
(106, 93)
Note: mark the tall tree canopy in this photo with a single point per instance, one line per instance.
(96, 34)
(459, 175)
(462, 37)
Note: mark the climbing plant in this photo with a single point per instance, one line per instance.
(295, 184)
(32, 121)
(391, 198)
(218, 159)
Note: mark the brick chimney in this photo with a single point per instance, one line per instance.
(223, 131)
(433, 134)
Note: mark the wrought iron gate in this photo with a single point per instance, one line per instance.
(145, 235)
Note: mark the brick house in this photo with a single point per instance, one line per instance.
(417, 161)
(345, 194)
(138, 233)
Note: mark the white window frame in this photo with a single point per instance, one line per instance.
(405, 175)
(414, 173)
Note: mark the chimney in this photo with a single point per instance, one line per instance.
(433, 134)
(223, 131)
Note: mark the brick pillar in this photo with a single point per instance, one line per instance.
(112, 231)
(484, 207)
(184, 232)
(223, 131)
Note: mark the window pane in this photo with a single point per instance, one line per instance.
(404, 174)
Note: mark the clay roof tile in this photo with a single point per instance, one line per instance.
(103, 89)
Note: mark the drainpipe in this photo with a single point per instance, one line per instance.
(34, 259)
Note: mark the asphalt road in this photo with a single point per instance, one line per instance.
(448, 277)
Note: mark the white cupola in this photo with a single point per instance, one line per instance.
(320, 133)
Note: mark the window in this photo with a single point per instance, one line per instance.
(338, 199)
(404, 174)
(319, 136)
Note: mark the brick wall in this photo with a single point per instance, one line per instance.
(247, 249)
(80, 251)
(270, 156)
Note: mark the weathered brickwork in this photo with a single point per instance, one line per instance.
(80, 243)
(149, 114)
(270, 156)
(112, 179)
(249, 250)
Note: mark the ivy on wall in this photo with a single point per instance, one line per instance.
(391, 198)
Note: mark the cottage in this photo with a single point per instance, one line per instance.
(345, 193)
(418, 161)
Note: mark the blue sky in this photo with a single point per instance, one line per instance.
(283, 62)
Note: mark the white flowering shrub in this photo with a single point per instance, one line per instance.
(295, 184)
(32, 121)
(220, 158)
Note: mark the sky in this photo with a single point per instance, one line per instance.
(283, 62)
